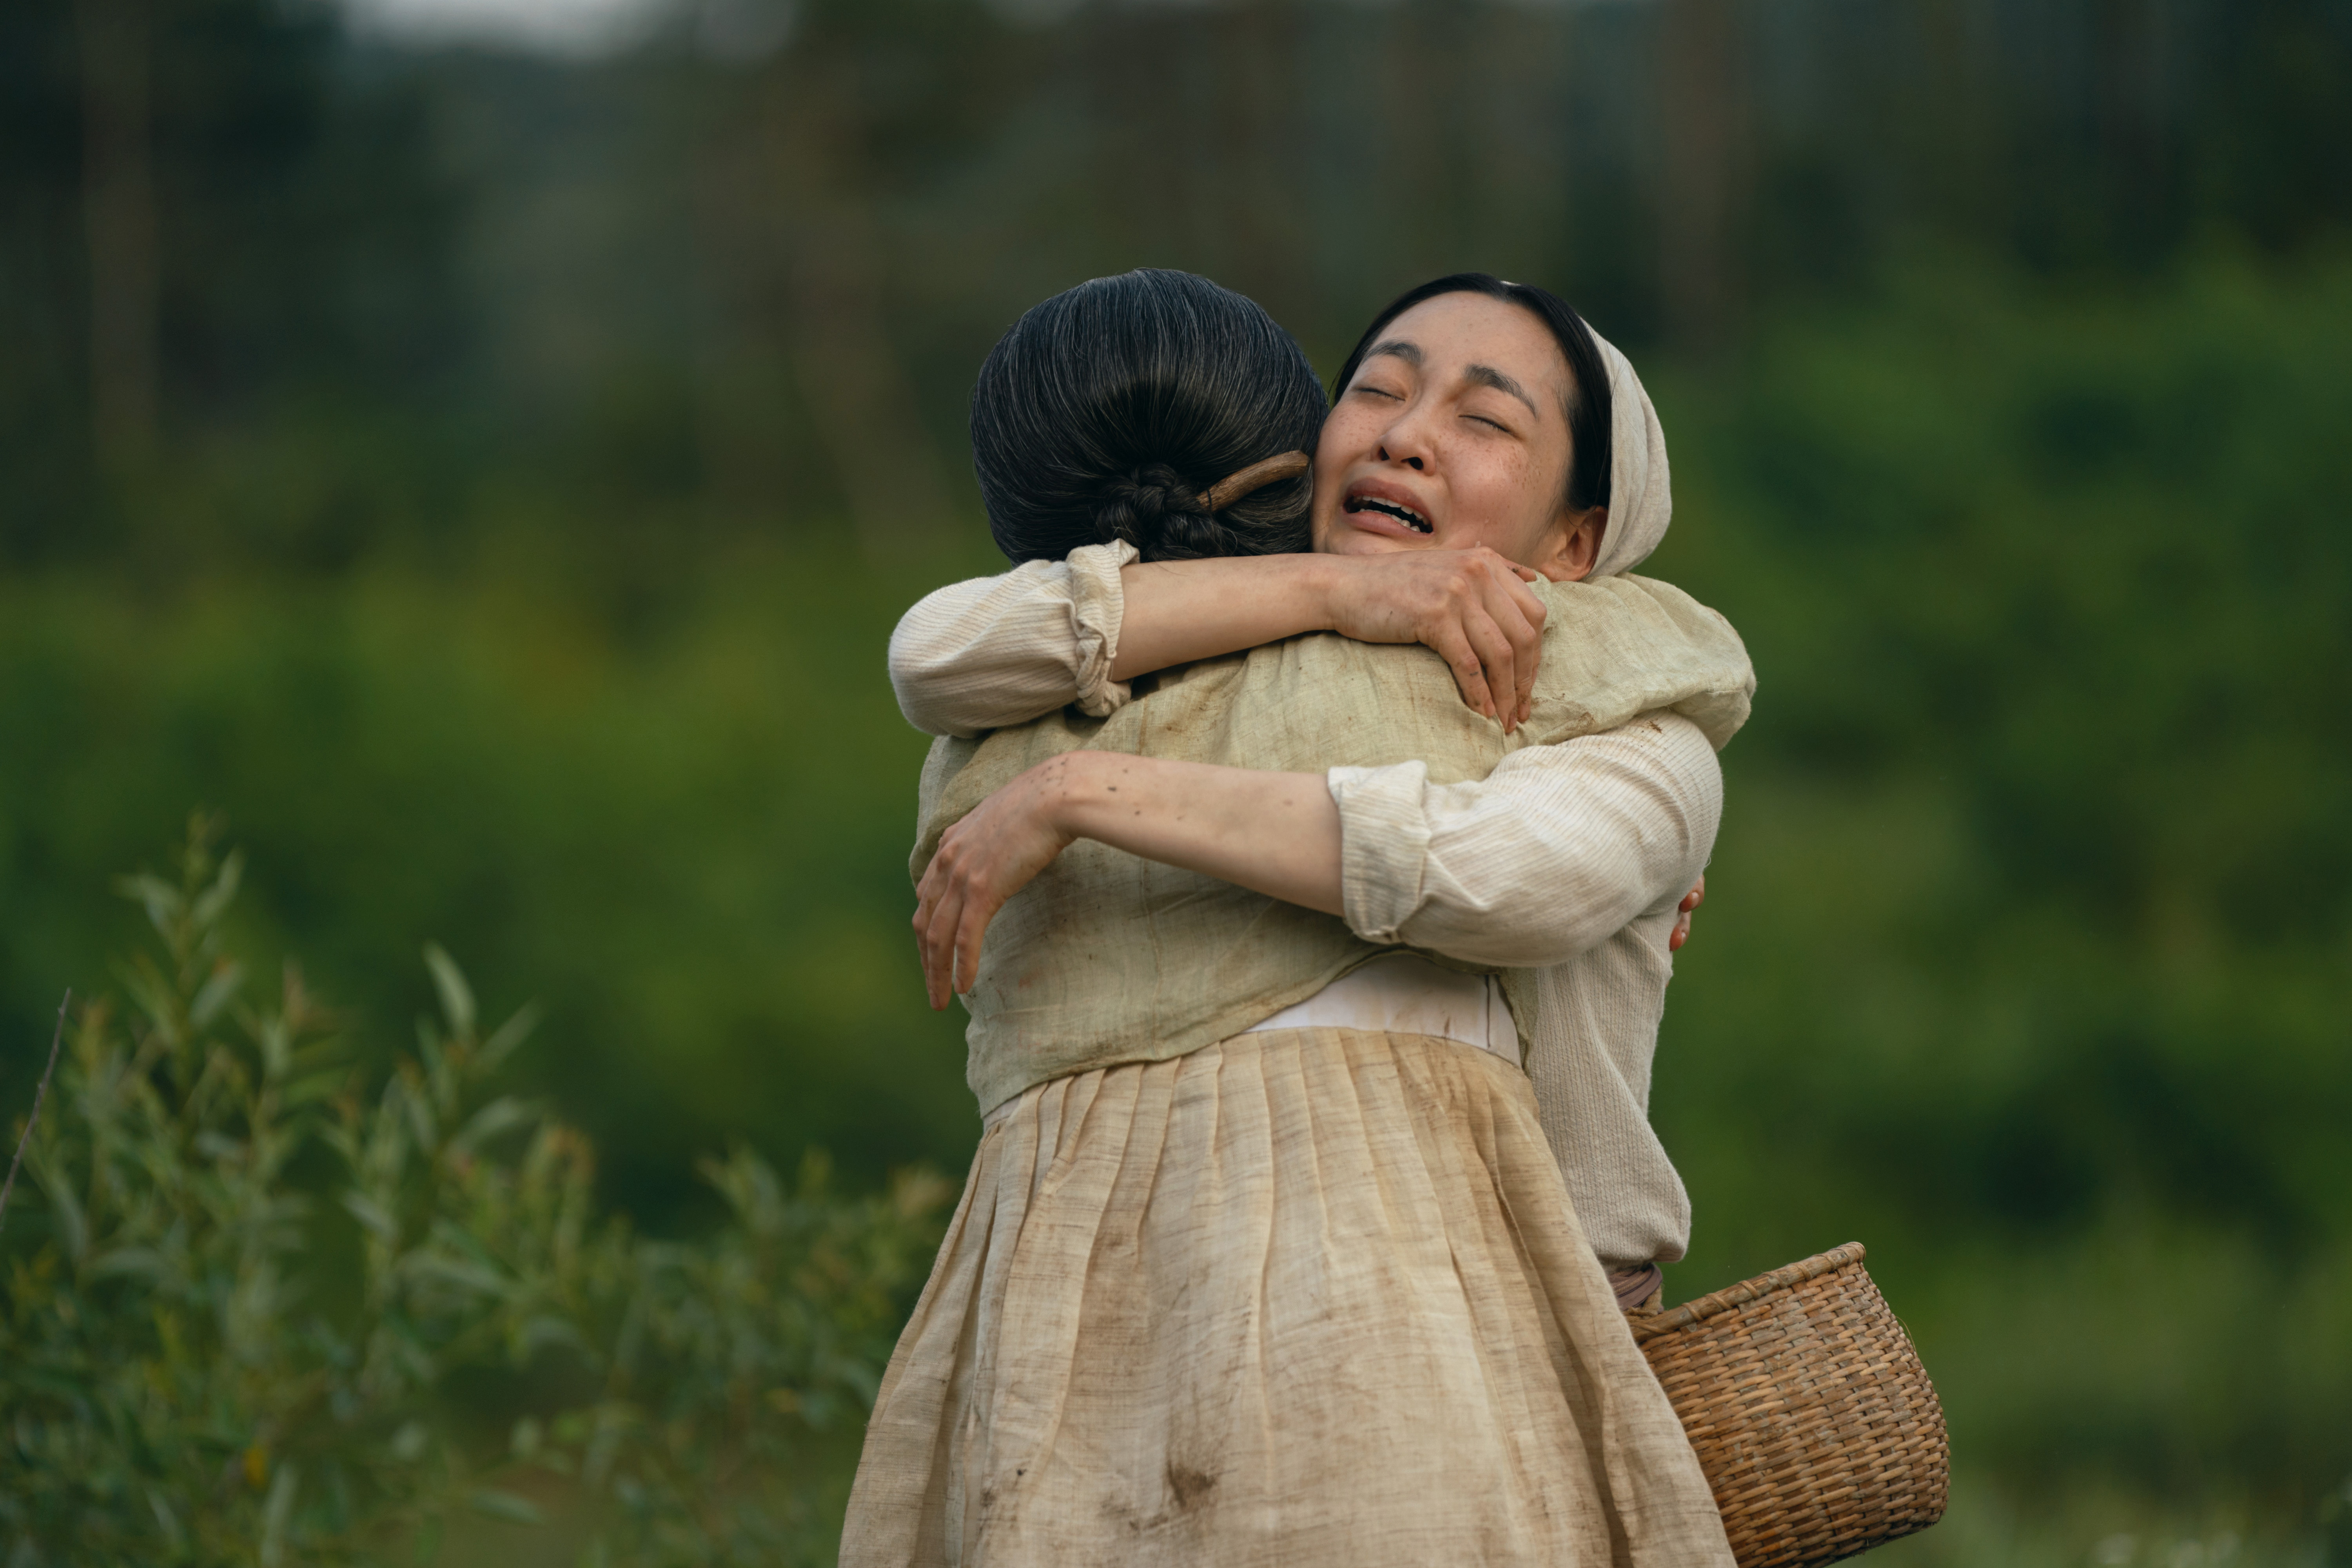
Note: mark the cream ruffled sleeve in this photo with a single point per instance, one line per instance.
(1548, 857)
(1004, 650)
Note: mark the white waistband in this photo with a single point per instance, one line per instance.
(1399, 994)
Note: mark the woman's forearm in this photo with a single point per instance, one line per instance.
(1556, 850)
(1001, 650)
(1549, 855)
(1272, 833)
(1276, 834)
(1178, 611)
(1473, 607)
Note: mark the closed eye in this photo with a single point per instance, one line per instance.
(1377, 392)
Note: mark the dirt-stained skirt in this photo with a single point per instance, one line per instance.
(1308, 1297)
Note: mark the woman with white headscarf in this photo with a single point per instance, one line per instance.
(1264, 1256)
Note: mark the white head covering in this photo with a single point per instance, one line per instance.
(1641, 494)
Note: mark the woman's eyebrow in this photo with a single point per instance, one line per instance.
(1487, 376)
(1398, 348)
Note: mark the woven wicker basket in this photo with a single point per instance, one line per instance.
(1813, 1417)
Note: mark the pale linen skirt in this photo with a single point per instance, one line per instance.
(1308, 1296)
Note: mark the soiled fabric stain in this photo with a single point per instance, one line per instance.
(1190, 1486)
(1315, 1297)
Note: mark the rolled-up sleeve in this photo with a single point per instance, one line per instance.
(1548, 857)
(1004, 650)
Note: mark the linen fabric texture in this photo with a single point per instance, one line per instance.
(994, 651)
(1107, 958)
(1567, 859)
(1567, 863)
(1641, 482)
(1312, 1298)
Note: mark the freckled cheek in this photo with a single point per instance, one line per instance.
(1489, 485)
(1325, 503)
(1339, 447)
(1347, 433)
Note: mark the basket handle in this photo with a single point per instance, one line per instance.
(1731, 1296)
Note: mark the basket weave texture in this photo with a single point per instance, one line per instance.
(1813, 1417)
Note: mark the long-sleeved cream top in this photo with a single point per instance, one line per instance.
(1569, 860)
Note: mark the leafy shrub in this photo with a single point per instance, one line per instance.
(182, 1384)
(2050, 594)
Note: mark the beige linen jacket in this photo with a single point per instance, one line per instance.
(1107, 958)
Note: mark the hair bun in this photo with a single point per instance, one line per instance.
(1100, 410)
(1152, 508)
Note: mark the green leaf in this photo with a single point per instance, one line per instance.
(277, 1043)
(511, 1033)
(161, 899)
(457, 997)
(318, 1086)
(453, 1271)
(497, 1504)
(275, 1513)
(422, 1125)
(409, 1442)
(213, 900)
(500, 1115)
(128, 1260)
(542, 1331)
(214, 1145)
(372, 1215)
(216, 993)
(65, 1208)
(166, 1520)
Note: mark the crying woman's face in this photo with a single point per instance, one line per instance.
(1453, 434)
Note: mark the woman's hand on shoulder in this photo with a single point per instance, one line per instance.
(1473, 607)
(1691, 902)
(991, 853)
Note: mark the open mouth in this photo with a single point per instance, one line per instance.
(1404, 514)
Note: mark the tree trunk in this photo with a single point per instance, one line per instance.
(1700, 100)
(790, 216)
(119, 217)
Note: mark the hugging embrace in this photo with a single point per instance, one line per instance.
(1315, 811)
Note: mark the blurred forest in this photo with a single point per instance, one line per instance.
(489, 480)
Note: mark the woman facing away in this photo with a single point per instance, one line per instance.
(1082, 620)
(1312, 1290)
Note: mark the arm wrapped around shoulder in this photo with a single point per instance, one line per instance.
(1001, 650)
(1548, 857)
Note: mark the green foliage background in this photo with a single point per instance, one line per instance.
(495, 569)
(2026, 958)
(204, 1362)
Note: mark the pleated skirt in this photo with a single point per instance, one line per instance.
(1310, 1297)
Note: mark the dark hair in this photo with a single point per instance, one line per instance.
(1108, 411)
(1591, 409)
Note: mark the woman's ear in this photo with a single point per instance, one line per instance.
(1575, 545)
